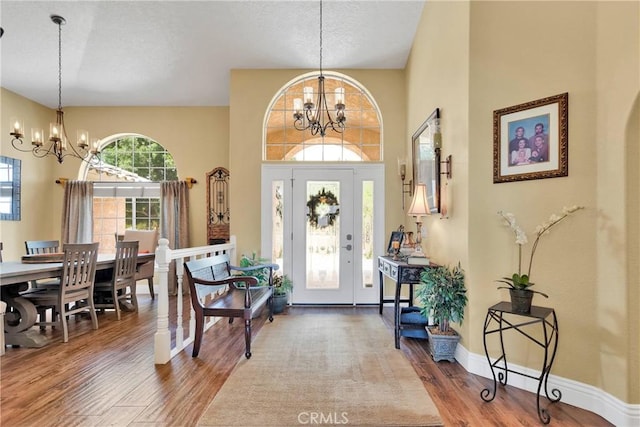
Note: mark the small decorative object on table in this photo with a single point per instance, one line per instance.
(408, 244)
(519, 283)
(395, 241)
(396, 250)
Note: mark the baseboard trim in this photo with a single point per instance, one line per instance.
(574, 393)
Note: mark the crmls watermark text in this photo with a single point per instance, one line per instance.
(317, 418)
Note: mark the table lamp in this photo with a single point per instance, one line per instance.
(419, 208)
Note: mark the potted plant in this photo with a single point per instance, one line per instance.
(518, 283)
(261, 274)
(282, 285)
(443, 297)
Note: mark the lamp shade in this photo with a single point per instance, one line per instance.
(419, 206)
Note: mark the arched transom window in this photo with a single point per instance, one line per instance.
(126, 186)
(361, 139)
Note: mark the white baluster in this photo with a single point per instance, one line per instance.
(162, 344)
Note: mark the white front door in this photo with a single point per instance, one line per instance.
(323, 242)
(331, 229)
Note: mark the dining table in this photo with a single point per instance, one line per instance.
(21, 313)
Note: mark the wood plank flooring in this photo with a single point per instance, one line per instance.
(107, 377)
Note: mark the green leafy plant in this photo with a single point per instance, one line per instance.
(261, 274)
(442, 294)
(282, 284)
(519, 280)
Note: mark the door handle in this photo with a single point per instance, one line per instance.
(348, 247)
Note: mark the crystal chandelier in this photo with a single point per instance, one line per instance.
(58, 143)
(316, 116)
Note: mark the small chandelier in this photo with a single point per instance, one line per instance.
(317, 117)
(58, 141)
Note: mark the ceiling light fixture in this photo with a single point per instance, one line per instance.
(59, 145)
(316, 116)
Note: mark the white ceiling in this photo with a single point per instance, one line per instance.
(180, 53)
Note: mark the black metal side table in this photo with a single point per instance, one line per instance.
(496, 322)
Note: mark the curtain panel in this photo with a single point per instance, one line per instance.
(174, 220)
(77, 212)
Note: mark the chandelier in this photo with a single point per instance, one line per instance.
(316, 116)
(58, 144)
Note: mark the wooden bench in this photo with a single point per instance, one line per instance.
(216, 292)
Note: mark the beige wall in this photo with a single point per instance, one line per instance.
(618, 193)
(197, 137)
(590, 50)
(499, 49)
(251, 93)
(39, 220)
(437, 77)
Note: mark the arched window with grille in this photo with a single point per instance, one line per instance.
(361, 139)
(126, 186)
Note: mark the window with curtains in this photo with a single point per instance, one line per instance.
(126, 189)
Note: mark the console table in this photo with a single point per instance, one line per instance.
(496, 322)
(408, 321)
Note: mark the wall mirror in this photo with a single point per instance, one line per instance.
(426, 143)
(9, 189)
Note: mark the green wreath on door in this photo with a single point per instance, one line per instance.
(323, 209)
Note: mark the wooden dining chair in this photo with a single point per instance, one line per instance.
(148, 241)
(121, 289)
(75, 293)
(36, 247)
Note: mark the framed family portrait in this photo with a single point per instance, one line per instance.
(530, 140)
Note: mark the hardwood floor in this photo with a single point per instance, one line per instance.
(107, 377)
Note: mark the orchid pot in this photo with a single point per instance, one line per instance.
(519, 284)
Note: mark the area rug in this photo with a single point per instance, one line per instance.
(316, 369)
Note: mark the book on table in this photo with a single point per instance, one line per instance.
(417, 260)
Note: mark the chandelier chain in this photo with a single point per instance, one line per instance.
(59, 65)
(321, 37)
(316, 117)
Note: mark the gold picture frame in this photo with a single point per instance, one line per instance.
(531, 140)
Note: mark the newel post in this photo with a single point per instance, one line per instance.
(162, 346)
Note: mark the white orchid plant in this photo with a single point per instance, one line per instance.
(519, 280)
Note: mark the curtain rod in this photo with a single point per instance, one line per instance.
(190, 181)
